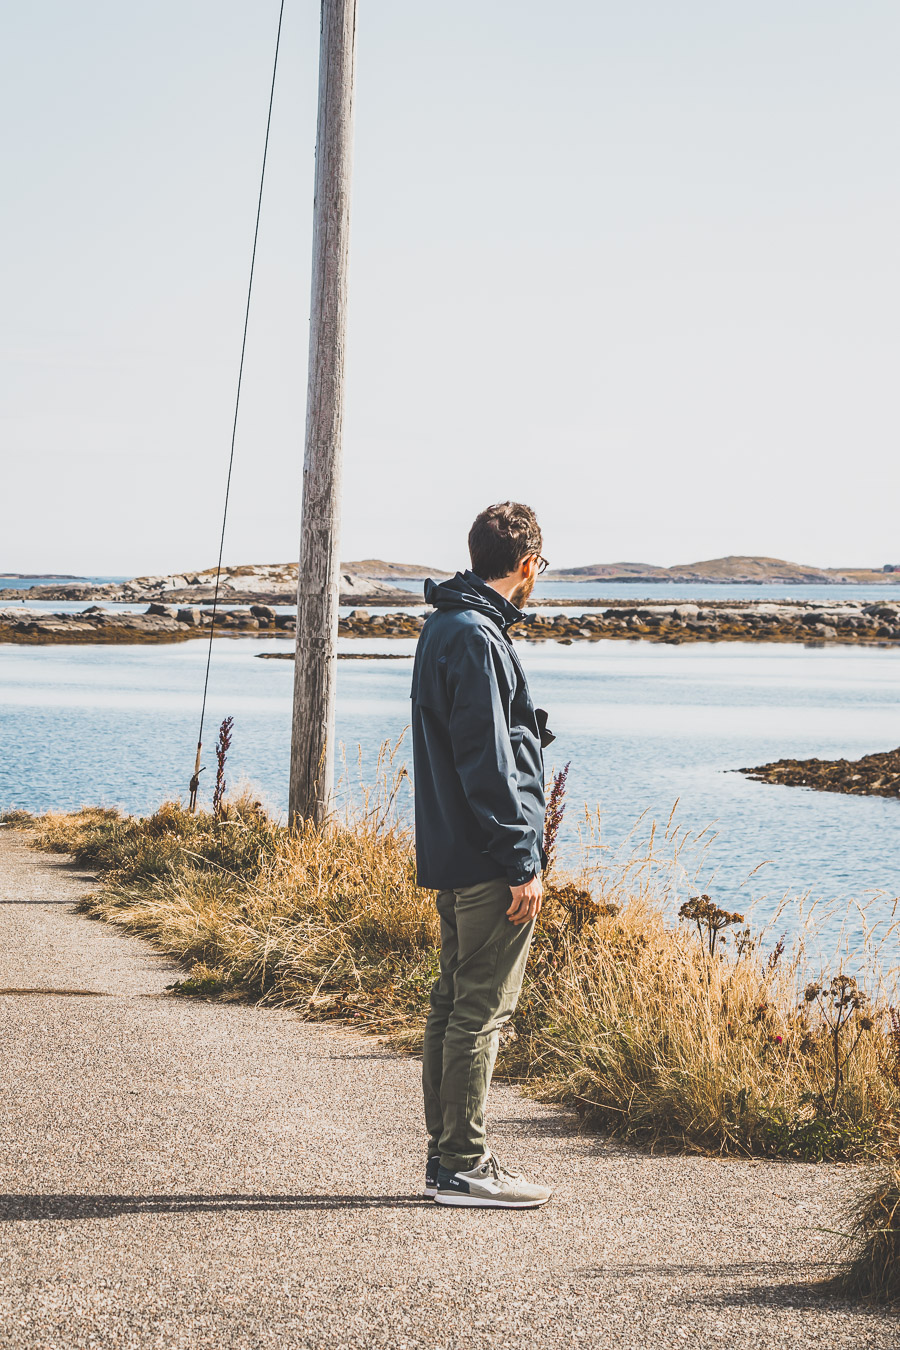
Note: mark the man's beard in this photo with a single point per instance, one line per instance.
(520, 595)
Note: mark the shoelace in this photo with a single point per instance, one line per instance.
(498, 1171)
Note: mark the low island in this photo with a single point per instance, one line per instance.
(875, 775)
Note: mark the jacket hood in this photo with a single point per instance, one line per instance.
(467, 591)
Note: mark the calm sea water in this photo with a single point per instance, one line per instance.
(583, 590)
(712, 591)
(643, 725)
(698, 590)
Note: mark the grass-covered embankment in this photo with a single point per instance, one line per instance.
(656, 1029)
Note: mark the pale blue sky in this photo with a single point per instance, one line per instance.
(636, 264)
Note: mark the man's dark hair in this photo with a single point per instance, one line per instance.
(501, 537)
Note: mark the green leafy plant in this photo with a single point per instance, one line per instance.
(817, 1137)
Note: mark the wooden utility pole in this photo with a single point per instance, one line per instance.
(315, 668)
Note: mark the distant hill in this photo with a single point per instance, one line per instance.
(734, 568)
(380, 570)
(375, 568)
(620, 571)
(738, 568)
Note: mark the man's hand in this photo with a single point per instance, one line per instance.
(526, 901)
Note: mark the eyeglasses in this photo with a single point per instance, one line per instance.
(541, 562)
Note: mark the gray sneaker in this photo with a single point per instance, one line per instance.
(489, 1185)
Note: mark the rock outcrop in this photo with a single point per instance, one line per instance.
(160, 623)
(873, 775)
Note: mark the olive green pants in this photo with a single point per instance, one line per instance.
(483, 956)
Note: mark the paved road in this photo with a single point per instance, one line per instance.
(188, 1176)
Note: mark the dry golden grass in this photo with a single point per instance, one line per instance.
(625, 1015)
(649, 1036)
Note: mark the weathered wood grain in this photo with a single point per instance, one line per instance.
(312, 735)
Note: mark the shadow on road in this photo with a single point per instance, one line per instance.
(677, 1269)
(777, 1284)
(70, 903)
(47, 989)
(15, 1208)
(823, 1288)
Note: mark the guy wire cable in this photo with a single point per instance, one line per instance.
(195, 779)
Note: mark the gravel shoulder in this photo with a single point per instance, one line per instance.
(198, 1176)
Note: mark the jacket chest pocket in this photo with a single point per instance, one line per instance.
(428, 690)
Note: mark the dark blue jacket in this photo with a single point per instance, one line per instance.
(478, 764)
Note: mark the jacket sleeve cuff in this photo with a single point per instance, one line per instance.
(520, 877)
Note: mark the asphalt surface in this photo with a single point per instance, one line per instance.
(192, 1175)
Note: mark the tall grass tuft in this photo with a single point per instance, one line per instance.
(223, 745)
(556, 809)
(873, 1269)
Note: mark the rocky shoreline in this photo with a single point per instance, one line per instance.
(851, 622)
(160, 623)
(740, 621)
(263, 584)
(873, 775)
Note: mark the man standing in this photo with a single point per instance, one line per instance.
(479, 795)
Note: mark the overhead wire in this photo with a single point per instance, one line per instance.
(195, 779)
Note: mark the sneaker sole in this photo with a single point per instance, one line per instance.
(477, 1202)
(429, 1192)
